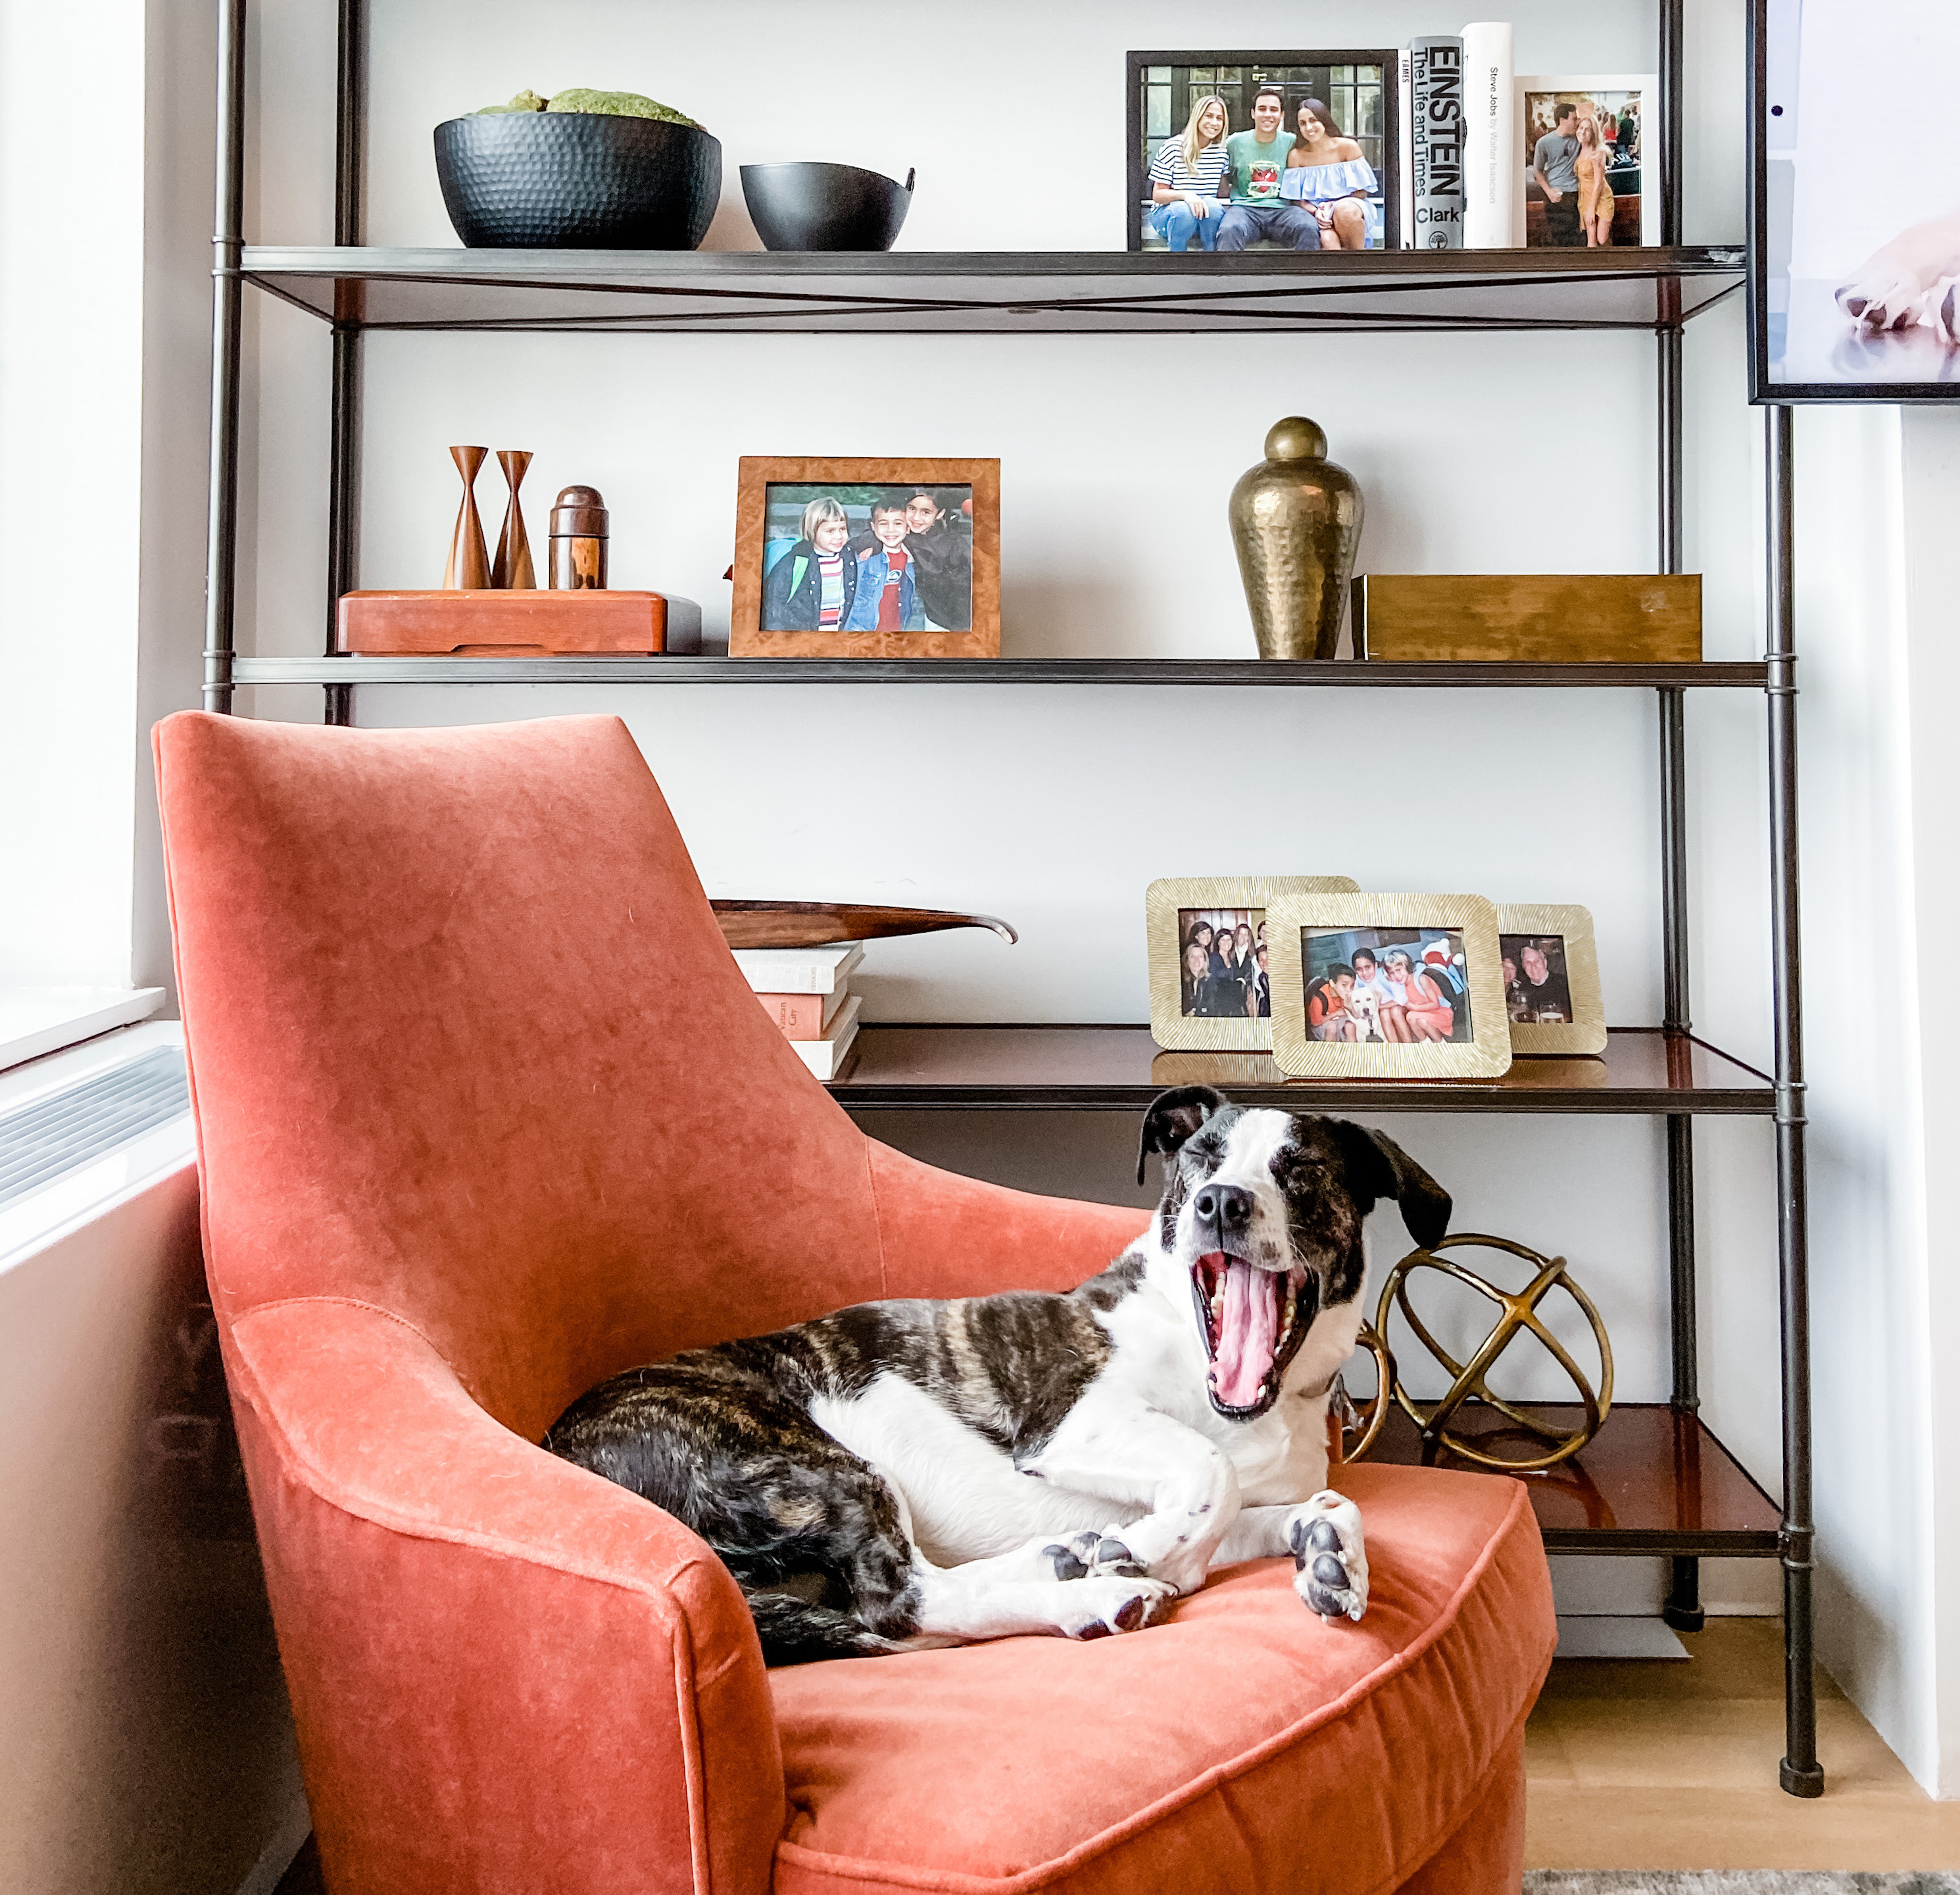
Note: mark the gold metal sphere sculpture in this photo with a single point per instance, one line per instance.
(1518, 1313)
(1361, 1426)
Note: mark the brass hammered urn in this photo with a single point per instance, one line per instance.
(1296, 522)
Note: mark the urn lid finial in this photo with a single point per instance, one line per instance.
(1297, 438)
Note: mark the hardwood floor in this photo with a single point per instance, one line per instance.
(1642, 1764)
(1639, 1764)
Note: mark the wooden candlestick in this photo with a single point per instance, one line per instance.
(513, 572)
(469, 567)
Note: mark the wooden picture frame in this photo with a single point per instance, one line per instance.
(1253, 67)
(1575, 970)
(747, 634)
(1167, 902)
(1463, 927)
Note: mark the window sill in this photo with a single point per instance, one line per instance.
(35, 1021)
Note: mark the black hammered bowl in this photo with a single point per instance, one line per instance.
(577, 181)
(825, 207)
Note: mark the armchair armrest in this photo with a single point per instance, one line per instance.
(508, 1674)
(944, 1235)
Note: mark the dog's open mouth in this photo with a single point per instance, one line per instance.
(1254, 1322)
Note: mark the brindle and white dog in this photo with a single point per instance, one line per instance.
(905, 1474)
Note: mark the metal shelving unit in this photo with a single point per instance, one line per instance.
(1656, 1481)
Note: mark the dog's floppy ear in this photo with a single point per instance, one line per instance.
(1173, 1117)
(1378, 1167)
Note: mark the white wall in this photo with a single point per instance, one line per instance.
(1927, 688)
(146, 1747)
(1055, 807)
(71, 468)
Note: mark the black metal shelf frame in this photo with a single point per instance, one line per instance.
(355, 289)
(345, 672)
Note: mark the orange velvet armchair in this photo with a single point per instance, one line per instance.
(485, 1113)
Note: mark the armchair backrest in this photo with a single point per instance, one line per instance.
(466, 1045)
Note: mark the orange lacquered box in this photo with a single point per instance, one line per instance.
(488, 624)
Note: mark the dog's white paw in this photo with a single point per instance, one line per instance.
(1331, 1567)
(1098, 1608)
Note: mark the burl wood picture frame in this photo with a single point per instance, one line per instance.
(747, 637)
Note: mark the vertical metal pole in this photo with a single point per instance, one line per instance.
(1682, 1609)
(343, 506)
(1801, 1774)
(1670, 75)
(227, 241)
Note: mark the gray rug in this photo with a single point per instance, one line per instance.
(1752, 1882)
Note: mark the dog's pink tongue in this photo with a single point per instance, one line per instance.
(1247, 1332)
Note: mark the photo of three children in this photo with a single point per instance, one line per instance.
(867, 559)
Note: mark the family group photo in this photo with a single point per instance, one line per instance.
(1386, 986)
(841, 557)
(1581, 168)
(1289, 151)
(1537, 991)
(1222, 975)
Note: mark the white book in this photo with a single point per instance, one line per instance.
(825, 1057)
(1405, 151)
(799, 970)
(1491, 159)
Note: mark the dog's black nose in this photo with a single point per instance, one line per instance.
(1227, 1205)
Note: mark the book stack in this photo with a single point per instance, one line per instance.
(807, 992)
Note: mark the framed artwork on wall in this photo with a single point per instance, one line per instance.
(865, 559)
(1551, 979)
(1387, 987)
(1854, 201)
(1296, 150)
(1210, 988)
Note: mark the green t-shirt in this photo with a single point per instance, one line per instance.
(1256, 167)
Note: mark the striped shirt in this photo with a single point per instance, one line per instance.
(1168, 168)
(830, 567)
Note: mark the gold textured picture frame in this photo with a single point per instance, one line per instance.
(1571, 972)
(1166, 902)
(1451, 942)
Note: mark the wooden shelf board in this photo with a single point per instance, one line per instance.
(1177, 672)
(954, 1067)
(1652, 1480)
(1091, 292)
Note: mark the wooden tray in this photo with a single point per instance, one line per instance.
(485, 624)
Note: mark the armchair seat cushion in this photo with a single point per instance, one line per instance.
(1242, 1745)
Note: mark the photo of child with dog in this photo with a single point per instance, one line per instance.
(1222, 972)
(867, 558)
(1386, 986)
(1537, 990)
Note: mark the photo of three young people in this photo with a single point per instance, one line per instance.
(867, 558)
(1304, 174)
(1222, 972)
(1387, 986)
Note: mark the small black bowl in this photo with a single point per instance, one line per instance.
(825, 207)
(577, 181)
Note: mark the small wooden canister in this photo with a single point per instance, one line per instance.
(578, 541)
